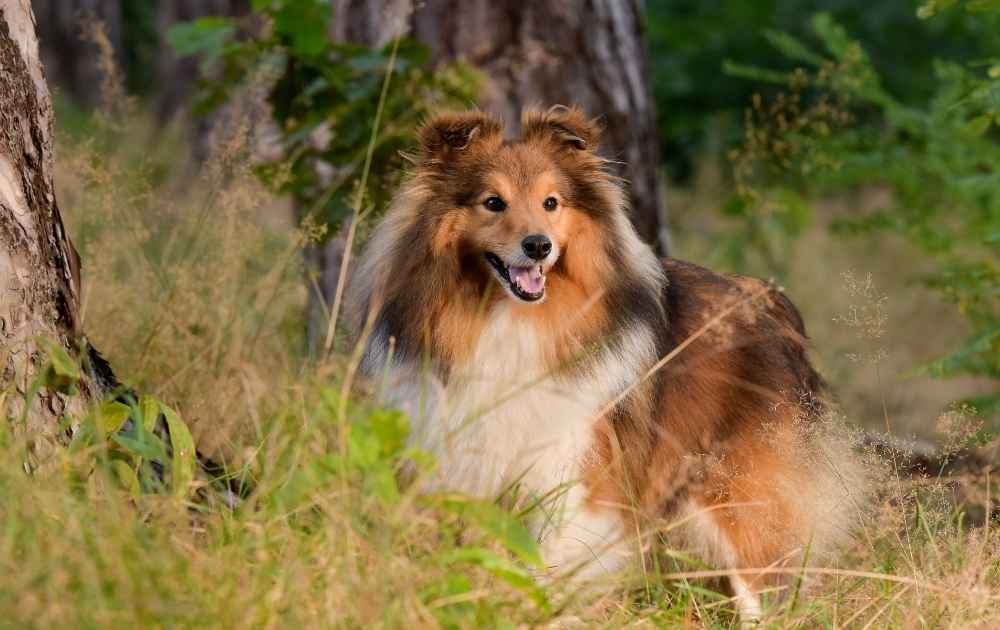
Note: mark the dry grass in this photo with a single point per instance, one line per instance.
(193, 290)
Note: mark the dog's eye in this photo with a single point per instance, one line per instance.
(495, 204)
(550, 204)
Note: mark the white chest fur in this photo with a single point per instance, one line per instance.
(503, 418)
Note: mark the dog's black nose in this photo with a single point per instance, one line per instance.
(536, 246)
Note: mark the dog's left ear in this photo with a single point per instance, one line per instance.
(449, 135)
(568, 126)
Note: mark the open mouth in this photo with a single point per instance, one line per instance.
(525, 283)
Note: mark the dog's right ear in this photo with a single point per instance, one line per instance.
(448, 135)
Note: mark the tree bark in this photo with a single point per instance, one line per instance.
(39, 269)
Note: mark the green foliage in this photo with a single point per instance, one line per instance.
(324, 98)
(700, 107)
(362, 453)
(938, 157)
(119, 436)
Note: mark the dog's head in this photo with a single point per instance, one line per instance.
(512, 209)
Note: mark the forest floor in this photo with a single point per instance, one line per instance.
(195, 294)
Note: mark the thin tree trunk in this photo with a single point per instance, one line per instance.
(39, 269)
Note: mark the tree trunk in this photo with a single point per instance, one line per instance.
(589, 53)
(70, 56)
(39, 269)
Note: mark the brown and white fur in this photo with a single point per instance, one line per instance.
(508, 386)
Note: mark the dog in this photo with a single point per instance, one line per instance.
(536, 342)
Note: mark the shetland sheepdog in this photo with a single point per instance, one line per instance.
(510, 308)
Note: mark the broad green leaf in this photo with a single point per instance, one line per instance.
(148, 446)
(59, 358)
(184, 456)
(303, 24)
(110, 416)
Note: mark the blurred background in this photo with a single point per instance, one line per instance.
(213, 152)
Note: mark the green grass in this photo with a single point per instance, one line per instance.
(195, 293)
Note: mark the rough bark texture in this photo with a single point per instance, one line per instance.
(70, 57)
(39, 269)
(547, 52)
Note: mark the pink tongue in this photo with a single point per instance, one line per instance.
(530, 279)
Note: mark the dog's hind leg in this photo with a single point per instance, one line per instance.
(747, 518)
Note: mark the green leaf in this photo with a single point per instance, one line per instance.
(110, 416)
(499, 523)
(833, 35)
(149, 407)
(737, 206)
(146, 446)
(754, 73)
(392, 429)
(792, 47)
(126, 475)
(303, 24)
(501, 568)
(978, 125)
(206, 36)
(62, 372)
(184, 455)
